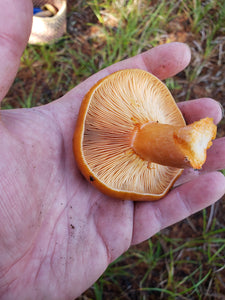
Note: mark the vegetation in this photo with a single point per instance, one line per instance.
(187, 260)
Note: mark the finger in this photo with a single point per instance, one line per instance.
(163, 61)
(215, 161)
(167, 60)
(151, 217)
(15, 26)
(201, 108)
(215, 156)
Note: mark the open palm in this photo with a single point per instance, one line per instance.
(57, 232)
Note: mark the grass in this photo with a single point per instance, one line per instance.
(185, 261)
(184, 268)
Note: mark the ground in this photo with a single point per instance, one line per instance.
(185, 261)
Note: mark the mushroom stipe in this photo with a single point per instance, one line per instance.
(131, 140)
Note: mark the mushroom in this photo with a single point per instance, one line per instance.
(131, 140)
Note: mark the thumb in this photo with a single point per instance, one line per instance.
(15, 27)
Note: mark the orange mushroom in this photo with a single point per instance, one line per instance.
(131, 140)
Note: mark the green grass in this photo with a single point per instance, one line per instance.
(184, 268)
(187, 260)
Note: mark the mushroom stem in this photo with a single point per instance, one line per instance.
(175, 146)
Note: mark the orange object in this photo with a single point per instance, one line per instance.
(131, 140)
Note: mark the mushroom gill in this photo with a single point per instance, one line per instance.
(109, 143)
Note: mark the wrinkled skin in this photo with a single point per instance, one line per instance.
(57, 232)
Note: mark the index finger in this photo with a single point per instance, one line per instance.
(181, 202)
(162, 61)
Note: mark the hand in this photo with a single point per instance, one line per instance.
(58, 233)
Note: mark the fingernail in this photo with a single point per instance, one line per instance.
(222, 109)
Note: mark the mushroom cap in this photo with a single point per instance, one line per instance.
(109, 115)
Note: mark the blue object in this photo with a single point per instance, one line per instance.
(36, 10)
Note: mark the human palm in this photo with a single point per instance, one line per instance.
(54, 225)
(57, 232)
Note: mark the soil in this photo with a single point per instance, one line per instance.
(211, 83)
